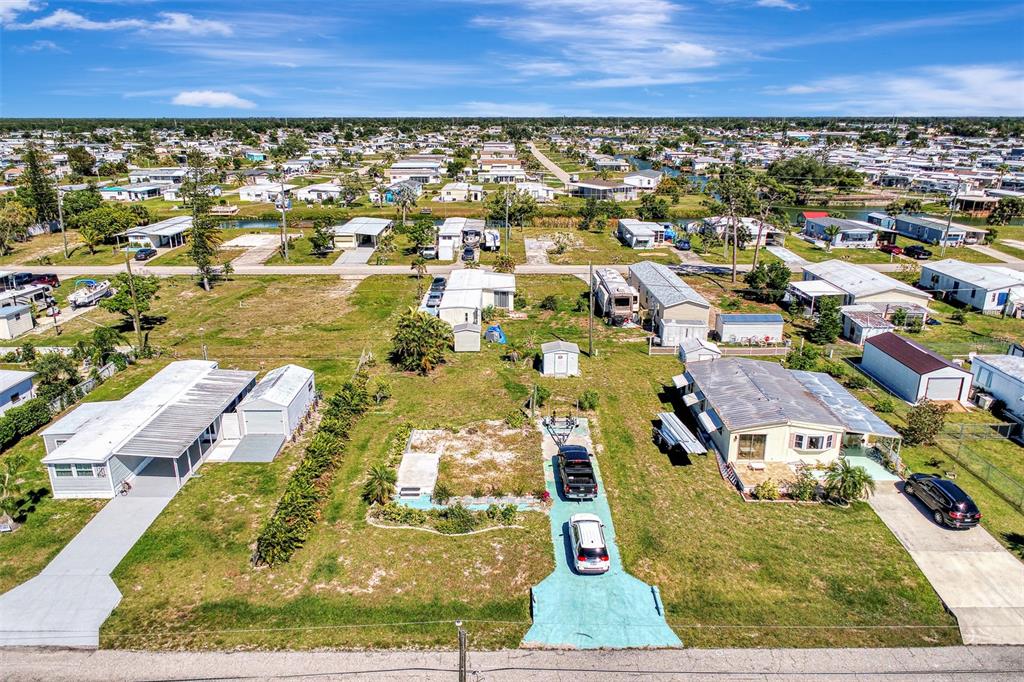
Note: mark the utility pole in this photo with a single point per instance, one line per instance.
(136, 315)
(60, 217)
(284, 223)
(508, 228)
(590, 332)
(949, 218)
(462, 651)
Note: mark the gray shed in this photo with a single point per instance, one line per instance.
(467, 337)
(561, 359)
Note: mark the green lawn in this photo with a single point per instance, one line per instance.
(300, 252)
(716, 559)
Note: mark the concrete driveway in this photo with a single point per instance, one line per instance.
(66, 604)
(975, 576)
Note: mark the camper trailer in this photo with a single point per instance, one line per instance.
(491, 240)
(614, 299)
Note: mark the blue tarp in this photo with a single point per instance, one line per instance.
(495, 334)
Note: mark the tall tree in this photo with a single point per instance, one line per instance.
(38, 191)
(81, 200)
(81, 161)
(733, 188)
(204, 236)
(144, 287)
(13, 472)
(15, 219)
(420, 341)
(829, 324)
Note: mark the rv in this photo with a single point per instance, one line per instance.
(491, 241)
(614, 299)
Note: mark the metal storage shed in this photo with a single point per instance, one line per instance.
(913, 372)
(467, 337)
(754, 327)
(561, 359)
(278, 403)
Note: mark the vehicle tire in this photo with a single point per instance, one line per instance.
(908, 488)
(938, 518)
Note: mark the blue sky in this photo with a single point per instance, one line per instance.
(511, 58)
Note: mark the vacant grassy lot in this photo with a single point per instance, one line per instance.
(488, 458)
(718, 561)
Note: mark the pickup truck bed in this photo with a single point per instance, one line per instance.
(578, 479)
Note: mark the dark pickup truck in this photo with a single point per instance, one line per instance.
(579, 482)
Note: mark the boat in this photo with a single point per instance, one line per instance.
(89, 292)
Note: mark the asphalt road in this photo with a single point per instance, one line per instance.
(947, 664)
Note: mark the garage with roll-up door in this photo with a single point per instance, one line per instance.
(913, 372)
(263, 421)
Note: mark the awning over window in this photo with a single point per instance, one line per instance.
(710, 421)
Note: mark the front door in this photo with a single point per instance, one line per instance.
(561, 363)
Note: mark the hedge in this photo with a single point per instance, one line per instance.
(22, 420)
(299, 507)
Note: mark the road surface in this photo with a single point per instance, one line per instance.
(941, 664)
(552, 167)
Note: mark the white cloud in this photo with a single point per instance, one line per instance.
(978, 90)
(779, 4)
(169, 22)
(43, 46)
(10, 9)
(212, 98)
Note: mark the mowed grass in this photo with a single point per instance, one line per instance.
(718, 561)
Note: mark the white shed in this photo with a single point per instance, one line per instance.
(561, 359)
(278, 403)
(913, 372)
(15, 320)
(698, 350)
(467, 337)
(739, 327)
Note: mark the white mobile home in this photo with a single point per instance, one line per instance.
(468, 292)
(749, 328)
(913, 372)
(853, 234)
(1002, 377)
(667, 298)
(638, 234)
(360, 231)
(989, 289)
(160, 432)
(560, 359)
(264, 192)
(166, 233)
(15, 388)
(643, 179)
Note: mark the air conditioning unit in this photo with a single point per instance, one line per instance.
(984, 400)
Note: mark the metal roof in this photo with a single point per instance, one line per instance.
(749, 393)
(664, 286)
(1011, 365)
(559, 347)
(363, 225)
(10, 378)
(165, 228)
(858, 280)
(750, 318)
(910, 354)
(280, 386)
(182, 421)
(847, 409)
(988, 278)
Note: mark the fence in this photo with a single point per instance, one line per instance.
(61, 403)
(1000, 482)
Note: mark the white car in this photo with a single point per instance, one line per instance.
(590, 551)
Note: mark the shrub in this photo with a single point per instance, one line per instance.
(379, 486)
(22, 420)
(455, 520)
(885, 406)
(588, 400)
(442, 493)
(549, 302)
(804, 488)
(487, 314)
(767, 490)
(541, 395)
(27, 352)
(959, 316)
(924, 421)
(507, 514)
(856, 380)
(582, 304)
(515, 419)
(834, 369)
(401, 515)
(914, 326)
(380, 391)
(805, 358)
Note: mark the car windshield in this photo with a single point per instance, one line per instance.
(592, 552)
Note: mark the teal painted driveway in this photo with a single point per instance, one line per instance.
(609, 611)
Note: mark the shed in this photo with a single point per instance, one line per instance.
(561, 359)
(735, 327)
(15, 320)
(698, 350)
(278, 403)
(15, 388)
(467, 337)
(913, 372)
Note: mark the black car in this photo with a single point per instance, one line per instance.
(438, 284)
(950, 506)
(145, 254)
(469, 254)
(917, 252)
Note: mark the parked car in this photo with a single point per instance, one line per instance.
(891, 248)
(429, 252)
(917, 252)
(18, 279)
(438, 284)
(949, 504)
(144, 254)
(469, 254)
(683, 244)
(589, 547)
(49, 279)
(579, 481)
(434, 299)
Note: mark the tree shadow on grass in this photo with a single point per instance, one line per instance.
(1016, 543)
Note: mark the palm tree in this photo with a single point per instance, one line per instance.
(846, 482)
(1002, 169)
(419, 265)
(12, 487)
(832, 231)
(405, 199)
(379, 487)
